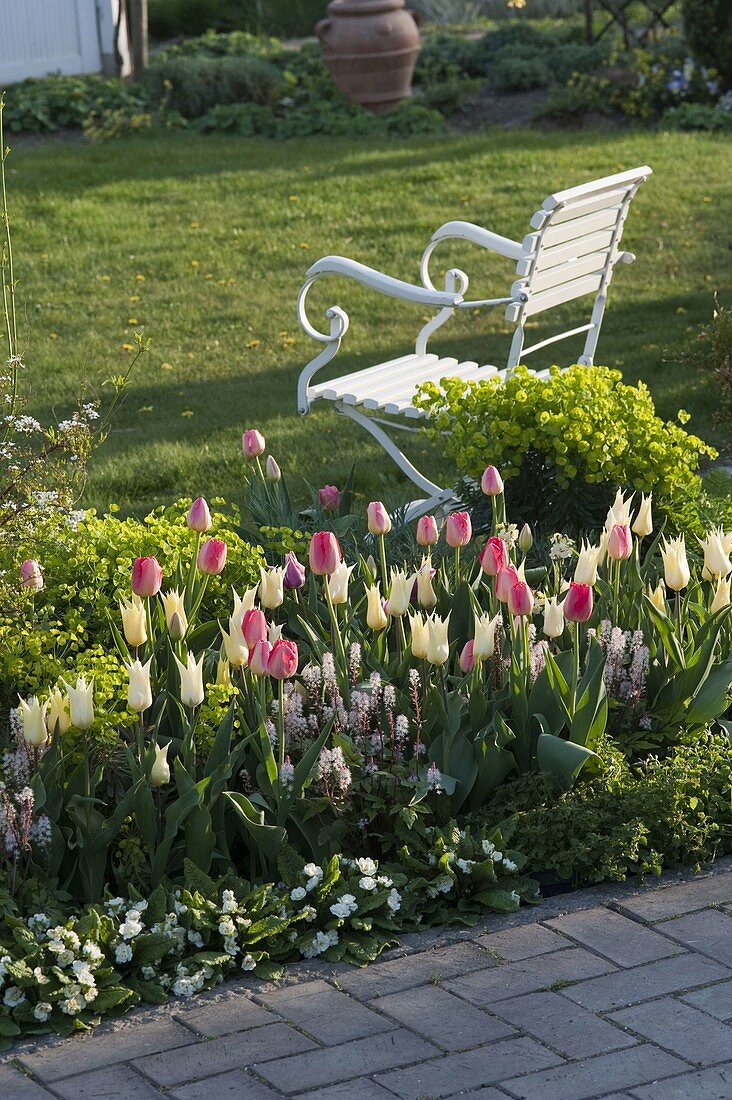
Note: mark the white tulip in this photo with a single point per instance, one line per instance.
(675, 566)
(585, 571)
(134, 624)
(81, 703)
(438, 646)
(553, 618)
(191, 680)
(400, 593)
(338, 583)
(175, 614)
(160, 774)
(484, 638)
(271, 586)
(242, 604)
(235, 648)
(721, 594)
(643, 523)
(425, 592)
(58, 718)
(375, 615)
(420, 636)
(716, 561)
(139, 691)
(33, 719)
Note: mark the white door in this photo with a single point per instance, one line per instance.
(38, 37)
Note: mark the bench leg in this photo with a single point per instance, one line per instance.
(435, 495)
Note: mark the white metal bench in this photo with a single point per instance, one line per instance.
(571, 253)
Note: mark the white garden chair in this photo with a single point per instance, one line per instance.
(570, 254)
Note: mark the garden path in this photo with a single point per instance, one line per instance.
(619, 992)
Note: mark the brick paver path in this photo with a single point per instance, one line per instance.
(619, 993)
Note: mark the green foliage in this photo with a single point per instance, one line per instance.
(708, 29)
(288, 18)
(193, 85)
(698, 116)
(43, 105)
(712, 351)
(581, 428)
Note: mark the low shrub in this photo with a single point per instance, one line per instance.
(698, 116)
(582, 428)
(193, 85)
(44, 105)
(708, 30)
(712, 351)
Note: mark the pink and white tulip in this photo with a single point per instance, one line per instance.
(199, 516)
(427, 531)
(31, 575)
(147, 577)
(324, 553)
(458, 529)
(329, 498)
(491, 482)
(379, 520)
(212, 557)
(282, 662)
(252, 443)
(578, 603)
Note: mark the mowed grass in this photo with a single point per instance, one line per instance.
(203, 244)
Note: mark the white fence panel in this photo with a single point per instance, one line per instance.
(38, 37)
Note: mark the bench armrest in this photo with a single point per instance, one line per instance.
(384, 284)
(466, 231)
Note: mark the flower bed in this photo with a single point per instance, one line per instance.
(396, 737)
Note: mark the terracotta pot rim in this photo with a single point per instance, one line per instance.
(363, 7)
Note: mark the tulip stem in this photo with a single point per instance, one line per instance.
(576, 664)
(336, 639)
(281, 724)
(457, 566)
(616, 593)
(384, 572)
(192, 573)
(677, 603)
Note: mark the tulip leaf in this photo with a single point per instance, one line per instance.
(562, 759)
(269, 839)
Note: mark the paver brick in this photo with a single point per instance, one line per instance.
(112, 1083)
(15, 1084)
(714, 999)
(233, 1011)
(523, 942)
(681, 1028)
(234, 1085)
(325, 1013)
(469, 1069)
(411, 970)
(564, 1026)
(627, 987)
(100, 1048)
(443, 1019)
(488, 1093)
(229, 1052)
(363, 1088)
(687, 897)
(354, 1059)
(592, 1077)
(706, 1084)
(486, 987)
(709, 932)
(623, 941)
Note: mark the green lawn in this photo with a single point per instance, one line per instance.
(204, 242)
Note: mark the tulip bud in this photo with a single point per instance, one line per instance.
(438, 646)
(419, 636)
(236, 651)
(324, 553)
(191, 680)
(371, 565)
(271, 587)
(400, 593)
(619, 542)
(134, 623)
(484, 636)
(427, 532)
(494, 556)
(254, 627)
(139, 691)
(58, 719)
(375, 615)
(657, 596)
(33, 721)
(525, 539)
(721, 595)
(585, 571)
(553, 618)
(294, 572)
(272, 470)
(467, 657)
(175, 614)
(259, 656)
(379, 520)
(506, 578)
(252, 443)
(147, 577)
(491, 482)
(160, 773)
(81, 703)
(199, 516)
(282, 662)
(329, 498)
(337, 583)
(643, 524)
(520, 599)
(31, 575)
(577, 606)
(675, 566)
(274, 633)
(425, 592)
(212, 557)
(458, 529)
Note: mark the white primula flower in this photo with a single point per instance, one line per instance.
(231, 947)
(298, 893)
(42, 1011)
(40, 977)
(123, 953)
(73, 1004)
(14, 996)
(368, 883)
(228, 902)
(496, 856)
(488, 848)
(130, 927)
(195, 938)
(366, 866)
(394, 901)
(466, 865)
(93, 953)
(82, 973)
(65, 957)
(115, 905)
(509, 865)
(148, 973)
(515, 898)
(248, 963)
(344, 906)
(309, 913)
(312, 870)
(183, 987)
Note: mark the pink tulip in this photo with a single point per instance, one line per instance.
(520, 599)
(577, 604)
(199, 516)
(427, 532)
(458, 529)
(494, 557)
(467, 657)
(329, 498)
(491, 482)
(259, 656)
(31, 575)
(325, 553)
(506, 578)
(271, 469)
(212, 556)
(379, 520)
(294, 572)
(147, 576)
(282, 663)
(252, 443)
(254, 627)
(620, 542)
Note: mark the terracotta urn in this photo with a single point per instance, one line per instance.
(370, 47)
